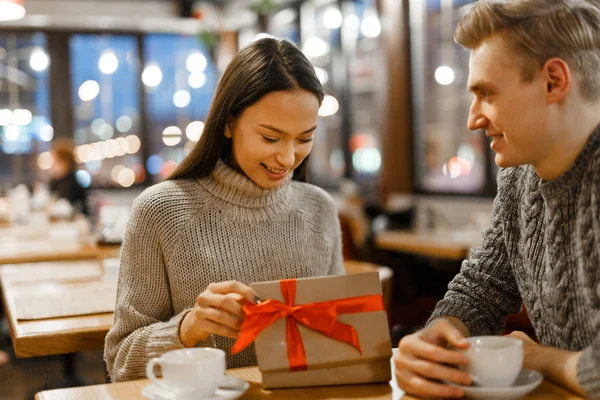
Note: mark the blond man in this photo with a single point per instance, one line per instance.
(535, 78)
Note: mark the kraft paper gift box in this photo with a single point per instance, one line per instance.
(352, 347)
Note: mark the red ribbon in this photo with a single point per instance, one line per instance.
(321, 317)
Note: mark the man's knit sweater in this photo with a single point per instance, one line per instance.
(185, 234)
(542, 250)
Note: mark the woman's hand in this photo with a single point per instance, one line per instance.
(217, 310)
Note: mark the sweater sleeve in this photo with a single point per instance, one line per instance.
(144, 325)
(485, 291)
(337, 260)
(588, 367)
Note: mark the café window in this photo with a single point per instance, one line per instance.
(25, 126)
(106, 110)
(343, 43)
(179, 79)
(449, 158)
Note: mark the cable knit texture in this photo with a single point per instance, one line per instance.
(542, 250)
(185, 234)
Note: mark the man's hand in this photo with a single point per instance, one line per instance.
(424, 359)
(531, 350)
(558, 366)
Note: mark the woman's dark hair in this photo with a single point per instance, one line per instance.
(265, 66)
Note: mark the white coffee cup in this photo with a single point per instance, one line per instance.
(494, 361)
(196, 371)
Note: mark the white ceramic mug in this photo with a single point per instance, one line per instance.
(494, 361)
(197, 371)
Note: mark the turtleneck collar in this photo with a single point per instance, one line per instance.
(572, 176)
(243, 197)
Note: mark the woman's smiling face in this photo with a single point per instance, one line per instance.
(273, 136)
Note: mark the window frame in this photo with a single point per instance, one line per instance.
(62, 118)
(417, 73)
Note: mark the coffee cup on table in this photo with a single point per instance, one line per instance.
(494, 361)
(194, 372)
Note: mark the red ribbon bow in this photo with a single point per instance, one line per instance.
(321, 317)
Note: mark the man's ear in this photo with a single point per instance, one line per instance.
(558, 79)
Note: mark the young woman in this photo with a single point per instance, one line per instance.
(236, 211)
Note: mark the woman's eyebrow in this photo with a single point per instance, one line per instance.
(274, 129)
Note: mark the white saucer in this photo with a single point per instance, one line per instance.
(231, 388)
(527, 381)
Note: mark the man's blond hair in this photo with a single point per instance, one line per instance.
(539, 30)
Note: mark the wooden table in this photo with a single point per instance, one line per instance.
(52, 336)
(26, 244)
(28, 251)
(132, 391)
(452, 245)
(78, 333)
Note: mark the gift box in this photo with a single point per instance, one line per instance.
(319, 331)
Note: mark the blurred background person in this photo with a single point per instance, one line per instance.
(63, 183)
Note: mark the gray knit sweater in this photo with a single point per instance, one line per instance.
(185, 234)
(542, 250)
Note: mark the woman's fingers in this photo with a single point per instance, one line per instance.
(238, 298)
(218, 309)
(222, 318)
(220, 301)
(218, 329)
(235, 287)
